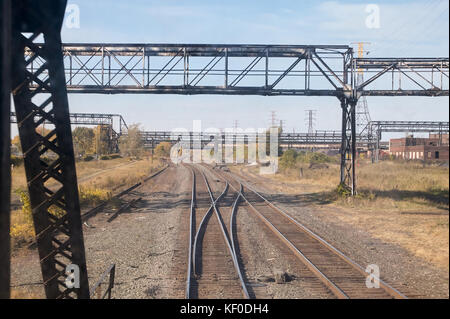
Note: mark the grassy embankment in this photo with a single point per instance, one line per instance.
(387, 184)
(402, 202)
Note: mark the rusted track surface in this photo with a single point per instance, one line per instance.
(345, 278)
(212, 271)
(92, 212)
(123, 208)
(111, 273)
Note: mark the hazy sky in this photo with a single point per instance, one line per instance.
(407, 28)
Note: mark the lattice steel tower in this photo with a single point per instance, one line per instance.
(362, 108)
(310, 120)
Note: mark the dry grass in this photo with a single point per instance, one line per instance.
(84, 171)
(424, 234)
(388, 184)
(123, 176)
(23, 293)
(22, 230)
(97, 180)
(399, 202)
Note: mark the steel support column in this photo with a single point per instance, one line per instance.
(5, 142)
(348, 145)
(48, 159)
(377, 145)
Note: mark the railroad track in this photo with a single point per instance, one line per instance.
(338, 273)
(92, 212)
(213, 269)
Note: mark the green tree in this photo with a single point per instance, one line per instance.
(83, 140)
(15, 142)
(288, 159)
(131, 143)
(102, 139)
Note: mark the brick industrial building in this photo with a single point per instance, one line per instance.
(435, 147)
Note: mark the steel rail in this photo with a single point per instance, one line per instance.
(191, 229)
(389, 289)
(201, 226)
(322, 277)
(232, 218)
(227, 240)
(392, 291)
(110, 271)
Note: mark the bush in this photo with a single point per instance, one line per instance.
(343, 190)
(288, 159)
(105, 158)
(26, 204)
(319, 158)
(26, 207)
(16, 160)
(163, 150)
(114, 156)
(93, 196)
(88, 158)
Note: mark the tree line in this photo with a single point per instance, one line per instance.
(97, 141)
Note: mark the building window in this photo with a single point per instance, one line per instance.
(436, 155)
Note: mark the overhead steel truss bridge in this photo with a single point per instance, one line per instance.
(39, 76)
(242, 69)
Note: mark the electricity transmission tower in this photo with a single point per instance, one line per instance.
(282, 124)
(235, 125)
(273, 119)
(310, 120)
(362, 108)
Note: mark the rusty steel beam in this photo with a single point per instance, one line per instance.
(91, 119)
(403, 76)
(157, 69)
(267, 70)
(55, 210)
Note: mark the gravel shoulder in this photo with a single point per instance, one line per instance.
(141, 242)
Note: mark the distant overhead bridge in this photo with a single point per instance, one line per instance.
(114, 120)
(152, 138)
